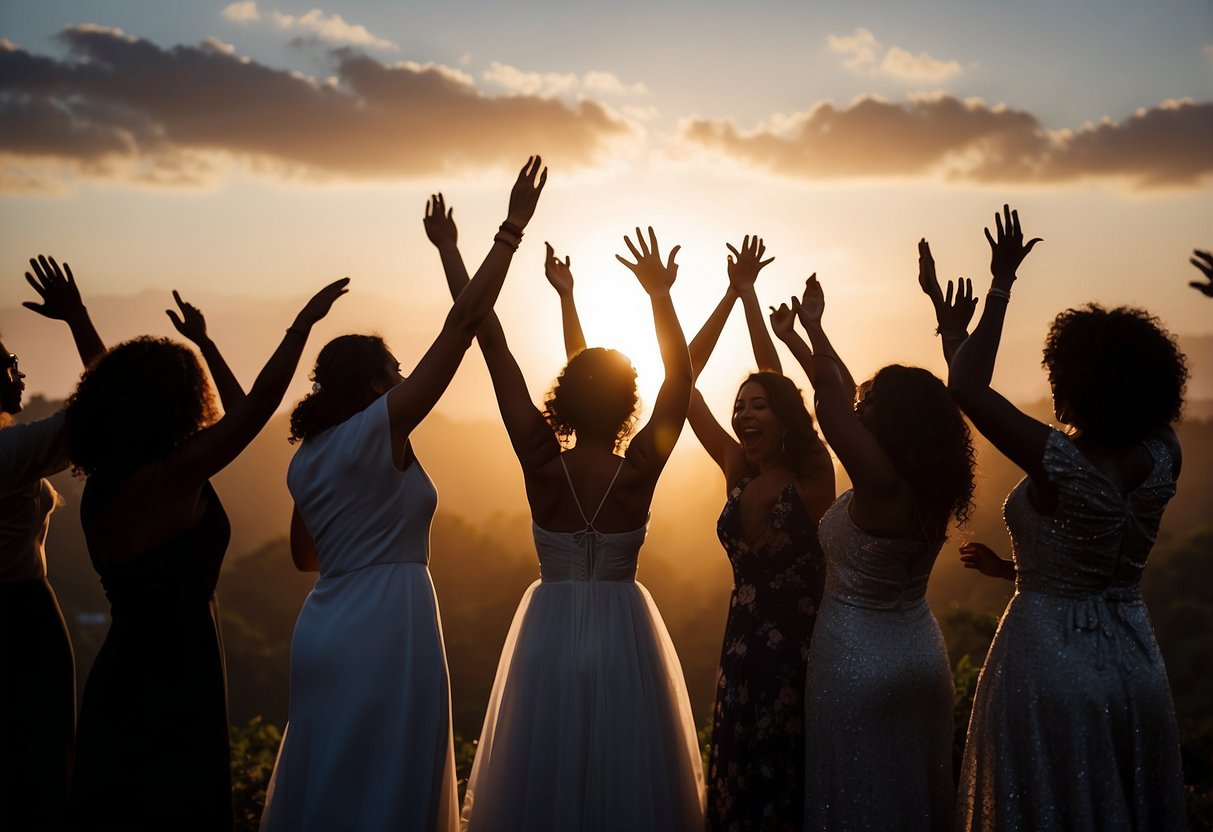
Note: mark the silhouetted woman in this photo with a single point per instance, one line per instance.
(152, 746)
(779, 480)
(368, 745)
(1073, 726)
(878, 696)
(37, 666)
(588, 725)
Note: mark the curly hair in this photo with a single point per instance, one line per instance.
(1117, 375)
(135, 405)
(345, 375)
(595, 394)
(920, 427)
(802, 442)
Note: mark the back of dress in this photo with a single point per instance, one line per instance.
(1073, 725)
(358, 507)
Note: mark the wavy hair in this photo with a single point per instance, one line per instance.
(595, 394)
(1117, 375)
(920, 427)
(136, 404)
(345, 376)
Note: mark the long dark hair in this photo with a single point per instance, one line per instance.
(136, 404)
(595, 394)
(345, 376)
(920, 427)
(801, 443)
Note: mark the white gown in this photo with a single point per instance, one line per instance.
(589, 726)
(368, 744)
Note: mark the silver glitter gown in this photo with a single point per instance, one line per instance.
(878, 695)
(1073, 726)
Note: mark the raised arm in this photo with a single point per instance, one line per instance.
(655, 442)
(412, 399)
(1018, 436)
(951, 317)
(724, 450)
(192, 325)
(209, 451)
(61, 301)
(531, 436)
(870, 468)
(1203, 261)
(743, 272)
(560, 275)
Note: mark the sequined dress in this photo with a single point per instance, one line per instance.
(878, 698)
(1073, 725)
(756, 759)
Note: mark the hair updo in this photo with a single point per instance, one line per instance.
(594, 395)
(347, 372)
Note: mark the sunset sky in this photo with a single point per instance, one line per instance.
(248, 153)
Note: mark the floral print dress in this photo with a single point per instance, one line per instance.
(756, 760)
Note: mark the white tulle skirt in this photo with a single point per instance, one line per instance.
(589, 726)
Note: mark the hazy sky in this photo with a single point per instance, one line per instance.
(248, 153)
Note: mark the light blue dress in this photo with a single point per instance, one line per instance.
(368, 744)
(1073, 726)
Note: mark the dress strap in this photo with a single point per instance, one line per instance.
(589, 523)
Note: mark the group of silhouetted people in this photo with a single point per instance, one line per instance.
(834, 693)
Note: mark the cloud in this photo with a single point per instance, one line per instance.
(557, 84)
(243, 12)
(942, 137)
(864, 55)
(315, 25)
(122, 108)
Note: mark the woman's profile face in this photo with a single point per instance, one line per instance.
(12, 384)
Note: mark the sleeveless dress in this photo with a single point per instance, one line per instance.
(152, 747)
(368, 744)
(37, 665)
(588, 726)
(1073, 726)
(756, 760)
(879, 693)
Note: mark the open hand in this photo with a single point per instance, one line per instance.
(743, 270)
(321, 303)
(783, 320)
(812, 304)
(57, 289)
(1009, 250)
(654, 276)
(525, 194)
(191, 324)
(439, 222)
(986, 561)
(559, 274)
(1202, 260)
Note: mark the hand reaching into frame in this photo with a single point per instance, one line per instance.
(812, 304)
(559, 274)
(743, 271)
(949, 315)
(439, 222)
(654, 276)
(1009, 249)
(986, 561)
(525, 194)
(191, 324)
(56, 287)
(1202, 260)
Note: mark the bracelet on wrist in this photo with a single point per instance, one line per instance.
(512, 227)
(995, 292)
(503, 238)
(295, 330)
